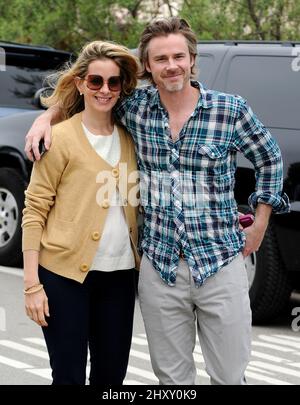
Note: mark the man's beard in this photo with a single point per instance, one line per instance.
(177, 86)
(173, 87)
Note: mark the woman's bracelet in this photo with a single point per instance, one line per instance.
(33, 289)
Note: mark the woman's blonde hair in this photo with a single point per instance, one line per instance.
(65, 91)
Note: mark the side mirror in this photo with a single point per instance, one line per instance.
(43, 92)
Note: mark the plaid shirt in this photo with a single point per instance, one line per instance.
(187, 186)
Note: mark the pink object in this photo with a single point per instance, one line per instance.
(246, 220)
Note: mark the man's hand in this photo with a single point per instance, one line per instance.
(254, 238)
(41, 128)
(256, 232)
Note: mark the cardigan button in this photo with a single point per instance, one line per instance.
(115, 172)
(105, 203)
(96, 235)
(84, 267)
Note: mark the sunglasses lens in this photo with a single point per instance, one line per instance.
(114, 83)
(94, 82)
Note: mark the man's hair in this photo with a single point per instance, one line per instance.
(65, 91)
(164, 27)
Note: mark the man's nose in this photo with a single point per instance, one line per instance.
(171, 63)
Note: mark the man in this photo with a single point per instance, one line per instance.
(192, 268)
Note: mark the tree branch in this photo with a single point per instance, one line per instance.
(170, 7)
(134, 10)
(255, 19)
(278, 21)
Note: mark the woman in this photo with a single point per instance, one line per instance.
(79, 226)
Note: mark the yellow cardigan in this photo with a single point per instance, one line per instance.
(62, 218)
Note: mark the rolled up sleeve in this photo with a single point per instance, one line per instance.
(256, 143)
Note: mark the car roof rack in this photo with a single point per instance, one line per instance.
(232, 42)
(33, 50)
(17, 44)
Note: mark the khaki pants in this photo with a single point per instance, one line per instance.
(219, 310)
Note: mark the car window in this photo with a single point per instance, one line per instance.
(22, 77)
(18, 86)
(270, 86)
(205, 68)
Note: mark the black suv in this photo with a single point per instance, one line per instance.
(23, 69)
(266, 74)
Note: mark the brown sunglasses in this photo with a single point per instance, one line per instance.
(96, 82)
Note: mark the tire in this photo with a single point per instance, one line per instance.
(269, 285)
(12, 188)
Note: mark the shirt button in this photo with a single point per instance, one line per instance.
(96, 235)
(105, 203)
(115, 172)
(84, 267)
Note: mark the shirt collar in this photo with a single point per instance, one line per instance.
(205, 98)
(155, 99)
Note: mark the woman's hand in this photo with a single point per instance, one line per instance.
(36, 305)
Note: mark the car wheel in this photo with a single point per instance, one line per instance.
(11, 205)
(269, 285)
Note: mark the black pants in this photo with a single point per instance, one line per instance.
(97, 314)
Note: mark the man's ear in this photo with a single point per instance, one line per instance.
(147, 67)
(193, 58)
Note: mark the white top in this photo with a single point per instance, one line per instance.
(114, 251)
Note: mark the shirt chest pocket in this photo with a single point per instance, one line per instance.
(212, 157)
